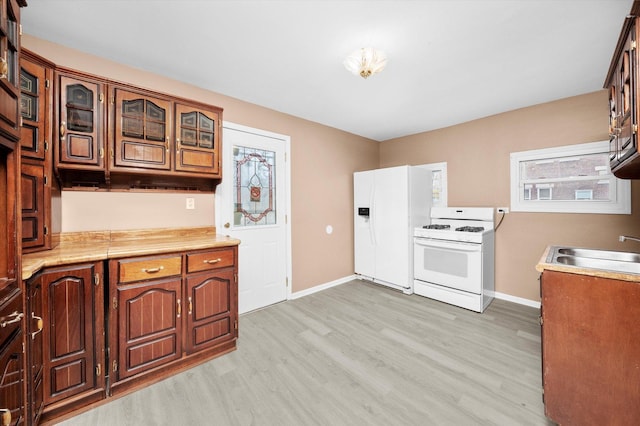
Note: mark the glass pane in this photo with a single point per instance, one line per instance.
(206, 140)
(28, 82)
(133, 108)
(584, 190)
(79, 120)
(29, 107)
(567, 178)
(254, 187)
(155, 113)
(155, 131)
(132, 127)
(79, 96)
(188, 119)
(566, 167)
(205, 123)
(188, 137)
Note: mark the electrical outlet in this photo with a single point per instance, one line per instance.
(502, 210)
(191, 203)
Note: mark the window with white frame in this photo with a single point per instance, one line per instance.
(439, 176)
(569, 179)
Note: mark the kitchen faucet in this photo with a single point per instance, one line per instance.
(623, 238)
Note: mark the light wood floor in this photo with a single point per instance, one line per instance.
(356, 354)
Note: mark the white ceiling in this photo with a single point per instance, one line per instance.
(450, 61)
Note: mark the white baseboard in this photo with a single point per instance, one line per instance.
(315, 289)
(515, 299)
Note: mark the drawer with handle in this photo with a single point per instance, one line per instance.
(210, 259)
(10, 317)
(147, 268)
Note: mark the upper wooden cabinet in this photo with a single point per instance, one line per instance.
(35, 108)
(622, 86)
(39, 186)
(198, 140)
(9, 74)
(151, 140)
(80, 123)
(142, 132)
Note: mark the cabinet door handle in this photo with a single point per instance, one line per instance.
(179, 308)
(5, 417)
(39, 324)
(153, 270)
(62, 129)
(190, 305)
(17, 316)
(212, 261)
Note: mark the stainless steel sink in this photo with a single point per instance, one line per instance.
(601, 254)
(616, 261)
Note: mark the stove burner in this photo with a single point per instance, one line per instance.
(437, 226)
(470, 228)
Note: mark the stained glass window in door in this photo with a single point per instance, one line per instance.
(254, 187)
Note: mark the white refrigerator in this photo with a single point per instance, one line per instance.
(388, 204)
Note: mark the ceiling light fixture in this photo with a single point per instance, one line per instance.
(366, 62)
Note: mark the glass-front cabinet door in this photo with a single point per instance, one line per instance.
(197, 140)
(142, 131)
(81, 123)
(9, 85)
(32, 107)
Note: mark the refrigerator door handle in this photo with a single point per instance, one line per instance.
(372, 217)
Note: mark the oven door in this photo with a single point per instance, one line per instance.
(452, 264)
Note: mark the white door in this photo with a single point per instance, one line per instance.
(251, 205)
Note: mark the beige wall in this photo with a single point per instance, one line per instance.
(322, 159)
(477, 156)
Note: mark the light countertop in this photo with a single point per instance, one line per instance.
(95, 246)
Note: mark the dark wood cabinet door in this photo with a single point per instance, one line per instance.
(211, 307)
(35, 353)
(9, 74)
(197, 140)
(149, 326)
(80, 124)
(12, 384)
(12, 380)
(141, 132)
(590, 349)
(35, 107)
(73, 331)
(34, 226)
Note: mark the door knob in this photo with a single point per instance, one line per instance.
(227, 225)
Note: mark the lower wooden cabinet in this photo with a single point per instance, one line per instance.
(590, 349)
(164, 313)
(73, 337)
(149, 326)
(163, 317)
(35, 354)
(211, 303)
(12, 385)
